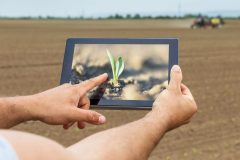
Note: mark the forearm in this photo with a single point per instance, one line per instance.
(135, 140)
(33, 147)
(14, 110)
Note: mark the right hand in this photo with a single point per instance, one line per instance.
(175, 105)
(67, 104)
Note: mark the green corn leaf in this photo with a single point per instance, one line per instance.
(119, 66)
(113, 64)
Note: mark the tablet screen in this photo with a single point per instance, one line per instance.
(136, 71)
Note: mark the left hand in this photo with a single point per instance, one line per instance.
(174, 106)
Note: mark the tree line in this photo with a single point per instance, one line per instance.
(113, 17)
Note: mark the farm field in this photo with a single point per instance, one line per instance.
(31, 54)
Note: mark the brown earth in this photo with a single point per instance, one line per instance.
(31, 54)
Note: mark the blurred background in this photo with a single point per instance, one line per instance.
(32, 42)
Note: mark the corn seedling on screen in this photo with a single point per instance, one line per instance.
(138, 69)
(136, 72)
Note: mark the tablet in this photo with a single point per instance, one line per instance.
(138, 69)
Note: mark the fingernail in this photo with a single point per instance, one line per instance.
(102, 119)
(176, 68)
(105, 74)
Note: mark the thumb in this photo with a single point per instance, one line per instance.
(175, 79)
(87, 116)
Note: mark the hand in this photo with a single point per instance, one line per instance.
(67, 104)
(175, 105)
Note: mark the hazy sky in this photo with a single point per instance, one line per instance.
(97, 8)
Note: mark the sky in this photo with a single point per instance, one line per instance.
(102, 8)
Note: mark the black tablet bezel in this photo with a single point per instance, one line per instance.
(117, 104)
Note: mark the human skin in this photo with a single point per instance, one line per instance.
(63, 105)
(173, 107)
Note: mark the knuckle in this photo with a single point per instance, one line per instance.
(72, 101)
(67, 85)
(74, 89)
(155, 104)
(92, 117)
(71, 89)
(66, 121)
(83, 83)
(195, 108)
(93, 81)
(192, 105)
(88, 102)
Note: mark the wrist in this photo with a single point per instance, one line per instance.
(159, 121)
(22, 108)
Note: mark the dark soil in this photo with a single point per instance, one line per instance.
(31, 54)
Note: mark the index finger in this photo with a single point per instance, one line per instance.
(93, 82)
